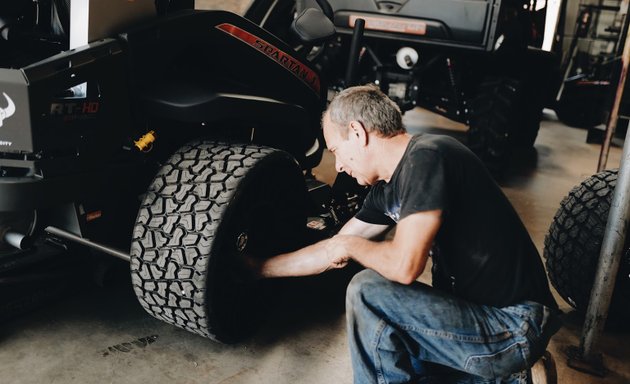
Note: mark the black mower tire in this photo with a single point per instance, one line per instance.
(210, 203)
(574, 241)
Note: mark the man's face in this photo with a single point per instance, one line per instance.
(350, 153)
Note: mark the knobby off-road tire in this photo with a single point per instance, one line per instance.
(209, 203)
(529, 112)
(501, 118)
(574, 241)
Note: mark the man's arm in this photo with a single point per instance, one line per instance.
(403, 258)
(319, 257)
(356, 227)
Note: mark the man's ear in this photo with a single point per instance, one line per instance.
(358, 132)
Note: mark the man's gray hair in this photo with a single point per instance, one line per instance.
(369, 106)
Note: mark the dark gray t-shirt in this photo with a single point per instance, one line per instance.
(482, 252)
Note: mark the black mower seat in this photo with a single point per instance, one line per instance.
(311, 26)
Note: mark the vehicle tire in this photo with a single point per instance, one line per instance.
(502, 117)
(580, 112)
(491, 117)
(576, 117)
(210, 203)
(574, 241)
(530, 112)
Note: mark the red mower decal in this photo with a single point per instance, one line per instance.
(297, 68)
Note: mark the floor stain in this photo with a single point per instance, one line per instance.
(140, 343)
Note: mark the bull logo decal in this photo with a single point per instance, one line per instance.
(7, 112)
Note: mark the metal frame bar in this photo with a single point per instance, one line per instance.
(586, 358)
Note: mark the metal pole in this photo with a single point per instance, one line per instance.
(584, 358)
(79, 240)
(610, 256)
(614, 114)
(570, 56)
(355, 52)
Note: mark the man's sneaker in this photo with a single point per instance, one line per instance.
(544, 370)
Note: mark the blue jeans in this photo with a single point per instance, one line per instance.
(419, 334)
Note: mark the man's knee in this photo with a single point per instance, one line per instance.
(365, 286)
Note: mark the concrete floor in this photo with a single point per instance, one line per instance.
(102, 335)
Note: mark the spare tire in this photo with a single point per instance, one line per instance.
(210, 203)
(574, 241)
(583, 104)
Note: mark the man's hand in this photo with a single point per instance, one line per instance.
(337, 254)
(312, 260)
